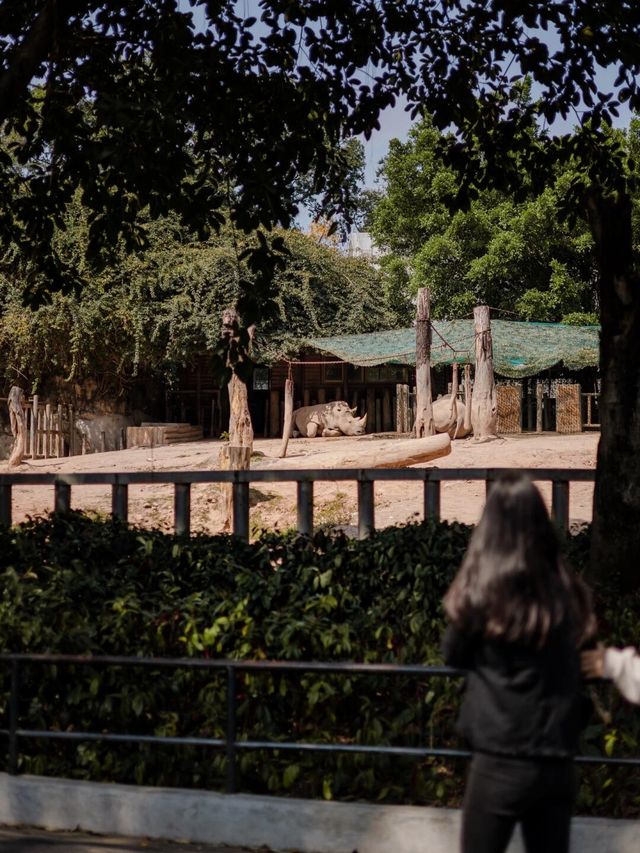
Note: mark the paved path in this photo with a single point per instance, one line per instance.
(36, 841)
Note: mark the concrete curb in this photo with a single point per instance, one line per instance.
(308, 826)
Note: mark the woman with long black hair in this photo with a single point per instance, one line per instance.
(518, 619)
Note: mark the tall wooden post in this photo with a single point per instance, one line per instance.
(467, 399)
(387, 423)
(47, 430)
(484, 407)
(237, 453)
(371, 410)
(274, 413)
(18, 422)
(34, 427)
(402, 408)
(288, 417)
(453, 402)
(539, 405)
(424, 425)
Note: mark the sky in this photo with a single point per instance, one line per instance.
(395, 122)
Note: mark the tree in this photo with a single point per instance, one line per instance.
(145, 314)
(138, 109)
(517, 256)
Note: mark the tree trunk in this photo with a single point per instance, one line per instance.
(18, 422)
(484, 405)
(424, 425)
(237, 454)
(616, 511)
(288, 417)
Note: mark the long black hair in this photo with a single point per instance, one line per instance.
(512, 582)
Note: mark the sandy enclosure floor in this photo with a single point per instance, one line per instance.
(274, 505)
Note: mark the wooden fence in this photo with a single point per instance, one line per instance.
(50, 429)
(240, 480)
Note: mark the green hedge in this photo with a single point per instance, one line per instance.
(74, 585)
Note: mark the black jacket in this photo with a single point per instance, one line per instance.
(519, 701)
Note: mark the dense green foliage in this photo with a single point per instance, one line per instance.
(77, 586)
(518, 254)
(147, 313)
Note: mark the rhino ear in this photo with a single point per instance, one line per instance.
(354, 410)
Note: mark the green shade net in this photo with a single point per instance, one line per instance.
(519, 349)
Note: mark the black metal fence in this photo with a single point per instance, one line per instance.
(230, 743)
(431, 478)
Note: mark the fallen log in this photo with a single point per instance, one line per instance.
(400, 454)
(389, 453)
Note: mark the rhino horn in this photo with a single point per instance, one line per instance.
(363, 420)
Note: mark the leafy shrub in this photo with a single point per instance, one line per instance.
(77, 586)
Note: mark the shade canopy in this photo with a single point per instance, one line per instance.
(519, 349)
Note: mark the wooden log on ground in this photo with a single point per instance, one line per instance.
(424, 425)
(395, 453)
(484, 406)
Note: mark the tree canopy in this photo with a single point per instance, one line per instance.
(146, 314)
(521, 257)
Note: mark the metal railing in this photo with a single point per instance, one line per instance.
(230, 743)
(431, 478)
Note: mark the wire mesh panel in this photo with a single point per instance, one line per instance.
(568, 409)
(509, 398)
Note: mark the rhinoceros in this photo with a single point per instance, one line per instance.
(327, 419)
(442, 417)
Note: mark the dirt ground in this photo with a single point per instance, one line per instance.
(274, 505)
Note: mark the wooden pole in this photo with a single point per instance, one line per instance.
(424, 425)
(371, 410)
(484, 407)
(274, 413)
(47, 430)
(34, 427)
(18, 423)
(59, 437)
(288, 417)
(72, 431)
(453, 400)
(467, 398)
(539, 404)
(400, 412)
(387, 423)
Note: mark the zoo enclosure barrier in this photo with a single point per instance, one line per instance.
(230, 743)
(240, 481)
(50, 429)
